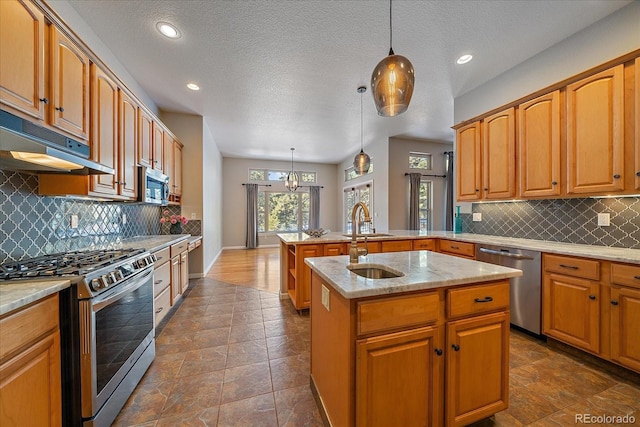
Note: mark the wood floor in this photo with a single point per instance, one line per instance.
(255, 268)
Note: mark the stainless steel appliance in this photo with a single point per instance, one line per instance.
(107, 326)
(526, 290)
(153, 186)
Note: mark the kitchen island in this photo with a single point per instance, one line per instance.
(427, 348)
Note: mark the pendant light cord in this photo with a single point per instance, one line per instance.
(361, 124)
(390, 31)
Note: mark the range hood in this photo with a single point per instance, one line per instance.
(27, 147)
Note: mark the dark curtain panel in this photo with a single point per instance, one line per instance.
(414, 201)
(314, 207)
(448, 210)
(252, 216)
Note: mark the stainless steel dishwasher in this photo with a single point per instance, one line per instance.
(526, 290)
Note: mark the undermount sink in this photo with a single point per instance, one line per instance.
(374, 271)
(369, 235)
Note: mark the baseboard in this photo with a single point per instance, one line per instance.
(210, 266)
(319, 402)
(244, 247)
(196, 275)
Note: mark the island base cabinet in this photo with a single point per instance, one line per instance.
(477, 368)
(625, 323)
(398, 380)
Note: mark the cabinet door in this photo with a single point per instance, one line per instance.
(334, 249)
(396, 245)
(145, 138)
(571, 310)
(398, 379)
(158, 135)
(303, 274)
(469, 162)
(539, 146)
(175, 279)
(499, 155)
(637, 125)
(30, 387)
(128, 132)
(595, 140)
(22, 57)
(177, 168)
(625, 324)
(69, 107)
(477, 368)
(167, 158)
(104, 126)
(184, 271)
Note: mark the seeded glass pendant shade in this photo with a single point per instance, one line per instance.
(392, 81)
(362, 161)
(292, 178)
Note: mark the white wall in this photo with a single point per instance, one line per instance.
(212, 224)
(235, 172)
(399, 150)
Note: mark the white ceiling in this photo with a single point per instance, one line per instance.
(281, 74)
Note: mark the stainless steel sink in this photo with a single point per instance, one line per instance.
(368, 235)
(374, 271)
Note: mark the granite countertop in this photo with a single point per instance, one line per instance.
(423, 270)
(14, 295)
(155, 242)
(631, 256)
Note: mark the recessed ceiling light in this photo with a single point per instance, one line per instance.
(193, 86)
(464, 59)
(168, 30)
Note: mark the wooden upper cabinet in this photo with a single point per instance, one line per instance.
(539, 146)
(22, 58)
(595, 140)
(145, 138)
(499, 155)
(158, 135)
(128, 132)
(167, 158)
(637, 125)
(69, 79)
(177, 168)
(468, 162)
(104, 126)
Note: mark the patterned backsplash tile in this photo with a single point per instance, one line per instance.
(561, 220)
(32, 225)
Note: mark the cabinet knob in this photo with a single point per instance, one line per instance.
(44, 100)
(455, 347)
(485, 299)
(614, 302)
(117, 182)
(636, 277)
(61, 109)
(477, 190)
(438, 351)
(637, 173)
(159, 310)
(592, 297)
(616, 176)
(554, 183)
(486, 189)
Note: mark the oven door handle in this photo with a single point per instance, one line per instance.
(102, 301)
(505, 254)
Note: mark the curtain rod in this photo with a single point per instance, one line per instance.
(424, 174)
(299, 186)
(261, 185)
(303, 186)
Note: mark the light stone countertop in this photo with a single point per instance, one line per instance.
(626, 255)
(422, 270)
(14, 295)
(154, 242)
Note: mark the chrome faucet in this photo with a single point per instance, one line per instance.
(354, 250)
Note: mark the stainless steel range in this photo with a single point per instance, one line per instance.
(107, 326)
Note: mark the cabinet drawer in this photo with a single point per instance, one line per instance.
(162, 304)
(334, 249)
(179, 248)
(570, 266)
(399, 312)
(162, 256)
(28, 324)
(477, 299)
(623, 274)
(424, 245)
(396, 245)
(161, 278)
(458, 248)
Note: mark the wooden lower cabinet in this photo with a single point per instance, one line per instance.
(396, 245)
(461, 249)
(184, 271)
(396, 379)
(625, 323)
(335, 249)
(477, 368)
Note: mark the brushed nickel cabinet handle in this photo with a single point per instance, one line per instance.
(44, 100)
(60, 109)
(616, 176)
(570, 267)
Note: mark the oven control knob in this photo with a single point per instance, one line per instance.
(154, 258)
(142, 263)
(118, 275)
(150, 260)
(95, 284)
(106, 280)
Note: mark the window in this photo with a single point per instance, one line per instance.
(282, 211)
(424, 209)
(419, 161)
(272, 175)
(353, 195)
(350, 173)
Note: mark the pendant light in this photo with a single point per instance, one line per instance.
(362, 161)
(292, 179)
(392, 81)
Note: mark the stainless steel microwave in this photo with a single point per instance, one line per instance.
(153, 186)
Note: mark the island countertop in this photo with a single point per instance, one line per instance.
(422, 270)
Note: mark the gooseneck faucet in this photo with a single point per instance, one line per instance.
(354, 250)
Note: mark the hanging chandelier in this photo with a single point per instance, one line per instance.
(362, 161)
(292, 178)
(392, 81)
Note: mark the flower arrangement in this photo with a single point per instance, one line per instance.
(172, 219)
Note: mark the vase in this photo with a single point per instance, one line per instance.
(176, 228)
(457, 221)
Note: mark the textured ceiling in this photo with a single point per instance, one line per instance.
(281, 74)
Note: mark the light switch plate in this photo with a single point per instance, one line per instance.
(74, 221)
(477, 216)
(124, 219)
(193, 215)
(325, 297)
(604, 219)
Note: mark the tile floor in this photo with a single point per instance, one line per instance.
(236, 356)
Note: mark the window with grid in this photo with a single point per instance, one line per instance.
(353, 195)
(350, 173)
(420, 161)
(425, 208)
(272, 175)
(283, 211)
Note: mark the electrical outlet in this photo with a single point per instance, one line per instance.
(193, 215)
(74, 221)
(477, 216)
(604, 219)
(325, 297)
(124, 219)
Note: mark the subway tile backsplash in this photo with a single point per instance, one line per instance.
(32, 225)
(561, 220)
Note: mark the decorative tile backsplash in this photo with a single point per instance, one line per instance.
(32, 225)
(561, 220)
